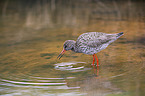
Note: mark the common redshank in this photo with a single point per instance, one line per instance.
(90, 43)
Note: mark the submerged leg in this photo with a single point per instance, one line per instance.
(97, 60)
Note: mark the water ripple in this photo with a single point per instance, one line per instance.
(51, 83)
(28, 83)
(69, 66)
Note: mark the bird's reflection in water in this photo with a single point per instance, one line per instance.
(96, 70)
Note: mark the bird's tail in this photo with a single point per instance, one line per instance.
(119, 34)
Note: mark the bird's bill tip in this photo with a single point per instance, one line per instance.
(61, 54)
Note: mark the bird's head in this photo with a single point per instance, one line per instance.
(68, 45)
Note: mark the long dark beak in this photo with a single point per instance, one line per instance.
(61, 54)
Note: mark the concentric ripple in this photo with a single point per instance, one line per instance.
(14, 84)
(38, 82)
(69, 66)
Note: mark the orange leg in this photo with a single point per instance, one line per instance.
(97, 60)
(93, 59)
(93, 64)
(97, 65)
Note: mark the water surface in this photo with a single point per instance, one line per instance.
(31, 38)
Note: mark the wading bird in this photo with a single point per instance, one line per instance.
(90, 43)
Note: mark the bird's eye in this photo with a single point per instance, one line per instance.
(65, 46)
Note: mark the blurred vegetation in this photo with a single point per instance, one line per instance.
(39, 14)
